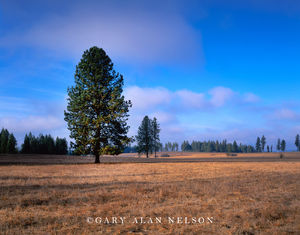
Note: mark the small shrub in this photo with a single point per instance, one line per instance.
(281, 155)
(165, 155)
(231, 154)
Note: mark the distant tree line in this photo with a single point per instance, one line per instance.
(44, 144)
(8, 142)
(173, 147)
(224, 146)
(216, 146)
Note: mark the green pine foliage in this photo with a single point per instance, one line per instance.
(235, 147)
(144, 138)
(97, 111)
(44, 144)
(147, 138)
(8, 142)
(186, 147)
(26, 145)
(61, 146)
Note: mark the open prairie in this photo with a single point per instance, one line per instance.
(42, 159)
(238, 197)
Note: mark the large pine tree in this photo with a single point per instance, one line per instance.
(97, 111)
(144, 137)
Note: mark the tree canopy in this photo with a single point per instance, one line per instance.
(97, 111)
(148, 136)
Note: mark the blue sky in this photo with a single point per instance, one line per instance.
(205, 69)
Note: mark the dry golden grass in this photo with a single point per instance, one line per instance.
(224, 155)
(243, 198)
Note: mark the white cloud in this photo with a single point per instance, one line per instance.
(285, 114)
(174, 108)
(146, 98)
(251, 98)
(191, 99)
(220, 95)
(163, 117)
(161, 98)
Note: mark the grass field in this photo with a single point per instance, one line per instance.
(239, 197)
(35, 159)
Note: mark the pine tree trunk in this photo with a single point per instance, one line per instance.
(97, 158)
(147, 154)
